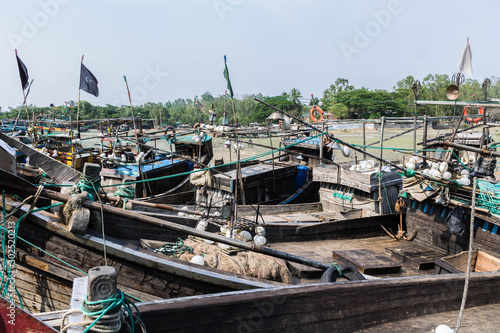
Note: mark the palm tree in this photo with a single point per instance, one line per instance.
(295, 95)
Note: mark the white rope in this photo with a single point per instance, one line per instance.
(469, 259)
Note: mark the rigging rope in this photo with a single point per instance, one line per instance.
(469, 258)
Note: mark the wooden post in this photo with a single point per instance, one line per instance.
(78, 106)
(321, 141)
(364, 139)
(415, 130)
(131, 112)
(381, 164)
(424, 139)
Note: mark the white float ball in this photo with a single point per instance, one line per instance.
(410, 165)
(259, 240)
(443, 329)
(346, 151)
(197, 259)
(464, 181)
(435, 173)
(464, 172)
(446, 175)
(246, 235)
(426, 172)
(260, 231)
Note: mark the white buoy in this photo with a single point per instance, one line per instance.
(246, 235)
(435, 173)
(446, 175)
(197, 259)
(346, 151)
(259, 240)
(426, 172)
(55, 153)
(260, 231)
(223, 229)
(410, 165)
(444, 329)
(464, 172)
(465, 181)
(443, 167)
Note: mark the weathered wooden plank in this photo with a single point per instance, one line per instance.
(364, 222)
(416, 254)
(367, 261)
(303, 271)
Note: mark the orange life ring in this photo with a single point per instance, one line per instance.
(196, 125)
(311, 112)
(469, 119)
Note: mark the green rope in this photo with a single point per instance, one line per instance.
(89, 185)
(454, 153)
(175, 249)
(337, 267)
(126, 192)
(115, 301)
(407, 173)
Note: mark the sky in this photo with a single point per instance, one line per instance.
(175, 49)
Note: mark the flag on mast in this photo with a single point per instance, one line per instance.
(88, 82)
(226, 75)
(23, 73)
(465, 63)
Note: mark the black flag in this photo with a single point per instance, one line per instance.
(88, 82)
(23, 72)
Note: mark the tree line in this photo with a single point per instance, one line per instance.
(341, 99)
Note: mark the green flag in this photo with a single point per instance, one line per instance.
(226, 75)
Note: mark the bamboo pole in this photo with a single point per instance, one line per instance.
(131, 108)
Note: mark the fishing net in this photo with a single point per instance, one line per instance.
(243, 262)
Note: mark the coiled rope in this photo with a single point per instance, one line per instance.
(106, 316)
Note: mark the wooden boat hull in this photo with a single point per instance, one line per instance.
(339, 307)
(45, 282)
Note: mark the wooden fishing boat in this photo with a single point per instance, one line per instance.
(49, 257)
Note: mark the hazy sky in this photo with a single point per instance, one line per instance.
(175, 49)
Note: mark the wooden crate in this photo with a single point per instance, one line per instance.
(481, 262)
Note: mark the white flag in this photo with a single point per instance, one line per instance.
(465, 63)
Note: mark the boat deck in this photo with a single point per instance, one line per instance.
(477, 319)
(378, 256)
